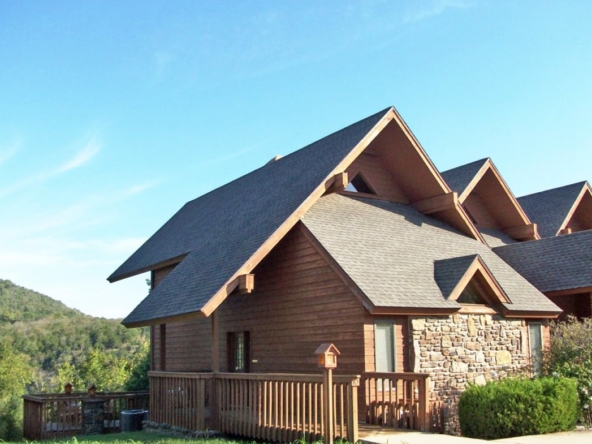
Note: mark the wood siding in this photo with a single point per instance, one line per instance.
(377, 177)
(298, 303)
(579, 305)
(402, 347)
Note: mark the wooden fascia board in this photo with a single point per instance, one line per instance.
(152, 267)
(340, 272)
(574, 207)
(479, 266)
(287, 225)
(413, 311)
(568, 292)
(474, 181)
(165, 320)
(508, 191)
(422, 153)
(529, 314)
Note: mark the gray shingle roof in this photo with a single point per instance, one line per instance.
(459, 178)
(448, 272)
(553, 263)
(220, 230)
(549, 208)
(389, 251)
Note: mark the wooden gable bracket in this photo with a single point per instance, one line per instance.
(337, 183)
(564, 231)
(438, 203)
(246, 283)
(523, 232)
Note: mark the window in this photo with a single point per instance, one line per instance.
(470, 295)
(238, 352)
(384, 346)
(359, 185)
(535, 336)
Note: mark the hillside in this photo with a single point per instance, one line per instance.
(50, 333)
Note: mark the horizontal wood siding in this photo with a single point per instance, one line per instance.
(402, 347)
(377, 177)
(298, 303)
(479, 211)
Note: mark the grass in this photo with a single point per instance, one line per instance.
(142, 437)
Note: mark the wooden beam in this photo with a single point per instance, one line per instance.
(523, 232)
(337, 183)
(435, 204)
(215, 343)
(246, 283)
(162, 339)
(568, 292)
(564, 231)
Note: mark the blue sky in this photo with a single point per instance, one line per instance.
(113, 114)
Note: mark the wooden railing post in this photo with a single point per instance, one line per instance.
(422, 407)
(329, 406)
(352, 411)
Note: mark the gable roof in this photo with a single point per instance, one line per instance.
(480, 184)
(389, 251)
(551, 208)
(459, 178)
(218, 233)
(554, 263)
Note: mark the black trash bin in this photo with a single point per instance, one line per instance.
(131, 420)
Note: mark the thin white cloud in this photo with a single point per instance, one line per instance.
(83, 156)
(435, 8)
(7, 152)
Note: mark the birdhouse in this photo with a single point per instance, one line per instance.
(327, 355)
(68, 388)
(92, 391)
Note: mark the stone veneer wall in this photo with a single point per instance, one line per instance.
(460, 349)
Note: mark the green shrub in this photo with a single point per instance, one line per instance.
(570, 356)
(518, 407)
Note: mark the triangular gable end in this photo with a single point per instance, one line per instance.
(491, 205)
(395, 167)
(468, 281)
(579, 217)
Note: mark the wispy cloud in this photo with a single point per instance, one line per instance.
(8, 151)
(435, 8)
(83, 156)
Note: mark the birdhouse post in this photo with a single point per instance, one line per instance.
(327, 360)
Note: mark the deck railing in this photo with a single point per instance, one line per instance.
(60, 415)
(272, 407)
(398, 400)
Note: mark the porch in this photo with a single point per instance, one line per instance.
(287, 407)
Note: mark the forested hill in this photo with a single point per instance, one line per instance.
(20, 304)
(50, 333)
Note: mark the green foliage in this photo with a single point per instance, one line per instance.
(15, 374)
(138, 378)
(570, 355)
(518, 407)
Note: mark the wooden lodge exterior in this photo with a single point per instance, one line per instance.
(359, 241)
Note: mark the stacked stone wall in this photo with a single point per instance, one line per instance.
(463, 348)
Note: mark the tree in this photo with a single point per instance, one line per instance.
(15, 375)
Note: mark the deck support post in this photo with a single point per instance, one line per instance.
(215, 369)
(329, 405)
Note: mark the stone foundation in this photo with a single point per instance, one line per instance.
(461, 349)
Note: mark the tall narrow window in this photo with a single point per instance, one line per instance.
(384, 347)
(238, 352)
(536, 347)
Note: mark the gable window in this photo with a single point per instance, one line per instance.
(535, 338)
(238, 352)
(359, 185)
(384, 346)
(471, 295)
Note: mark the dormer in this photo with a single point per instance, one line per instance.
(562, 210)
(490, 204)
